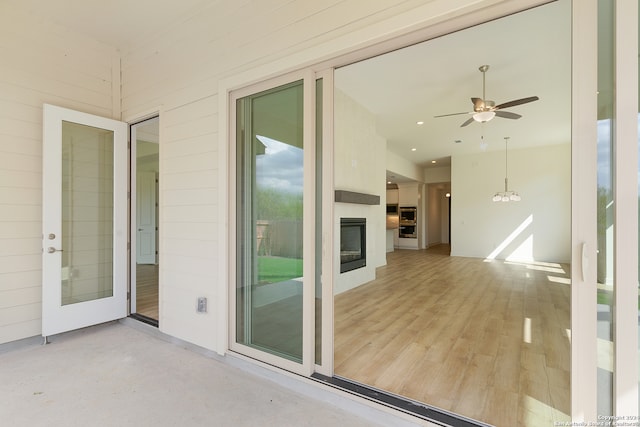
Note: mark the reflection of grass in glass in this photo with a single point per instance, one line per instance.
(278, 269)
(606, 297)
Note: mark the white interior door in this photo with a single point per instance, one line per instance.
(146, 218)
(84, 260)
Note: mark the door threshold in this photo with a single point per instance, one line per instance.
(430, 413)
(144, 319)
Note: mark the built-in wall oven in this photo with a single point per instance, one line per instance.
(408, 228)
(408, 214)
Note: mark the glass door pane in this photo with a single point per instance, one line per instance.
(605, 201)
(269, 275)
(87, 213)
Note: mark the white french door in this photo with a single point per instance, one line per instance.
(84, 258)
(146, 218)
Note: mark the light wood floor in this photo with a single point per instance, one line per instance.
(147, 290)
(487, 340)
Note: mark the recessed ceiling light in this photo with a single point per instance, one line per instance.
(413, 149)
(433, 161)
(420, 123)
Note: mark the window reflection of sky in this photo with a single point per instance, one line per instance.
(281, 167)
(604, 154)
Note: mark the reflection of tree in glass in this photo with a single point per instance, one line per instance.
(273, 204)
(605, 220)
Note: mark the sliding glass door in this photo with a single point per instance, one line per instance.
(274, 223)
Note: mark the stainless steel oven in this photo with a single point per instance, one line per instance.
(407, 231)
(408, 214)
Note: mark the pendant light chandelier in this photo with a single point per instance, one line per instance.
(506, 195)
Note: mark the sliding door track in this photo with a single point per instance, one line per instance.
(432, 414)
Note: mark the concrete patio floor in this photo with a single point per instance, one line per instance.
(119, 375)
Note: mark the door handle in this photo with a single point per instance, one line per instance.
(51, 250)
(584, 262)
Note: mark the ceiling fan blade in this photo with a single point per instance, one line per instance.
(507, 115)
(468, 122)
(452, 114)
(516, 102)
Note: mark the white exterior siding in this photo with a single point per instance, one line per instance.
(41, 63)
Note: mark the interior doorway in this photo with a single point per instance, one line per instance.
(145, 168)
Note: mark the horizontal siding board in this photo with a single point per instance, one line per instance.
(20, 230)
(20, 313)
(17, 331)
(32, 80)
(192, 111)
(17, 297)
(185, 230)
(207, 178)
(205, 143)
(20, 279)
(188, 264)
(20, 214)
(191, 162)
(22, 262)
(34, 97)
(16, 164)
(190, 197)
(192, 248)
(206, 213)
(21, 196)
(16, 247)
(204, 278)
(20, 179)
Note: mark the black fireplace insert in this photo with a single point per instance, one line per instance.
(353, 243)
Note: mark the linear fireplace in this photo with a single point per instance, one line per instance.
(353, 243)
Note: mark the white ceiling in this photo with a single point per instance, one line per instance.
(528, 53)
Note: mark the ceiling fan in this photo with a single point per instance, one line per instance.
(485, 110)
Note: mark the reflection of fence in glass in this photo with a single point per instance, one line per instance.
(281, 238)
(279, 245)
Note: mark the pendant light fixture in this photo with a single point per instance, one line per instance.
(506, 195)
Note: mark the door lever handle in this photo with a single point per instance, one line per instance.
(51, 250)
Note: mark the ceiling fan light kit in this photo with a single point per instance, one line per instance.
(484, 116)
(485, 110)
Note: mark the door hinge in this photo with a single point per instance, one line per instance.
(129, 296)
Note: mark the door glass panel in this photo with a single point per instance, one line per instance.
(605, 203)
(269, 221)
(318, 281)
(87, 213)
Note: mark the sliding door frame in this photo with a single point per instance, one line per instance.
(308, 309)
(625, 137)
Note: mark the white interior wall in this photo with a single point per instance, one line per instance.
(404, 167)
(41, 63)
(359, 166)
(536, 228)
